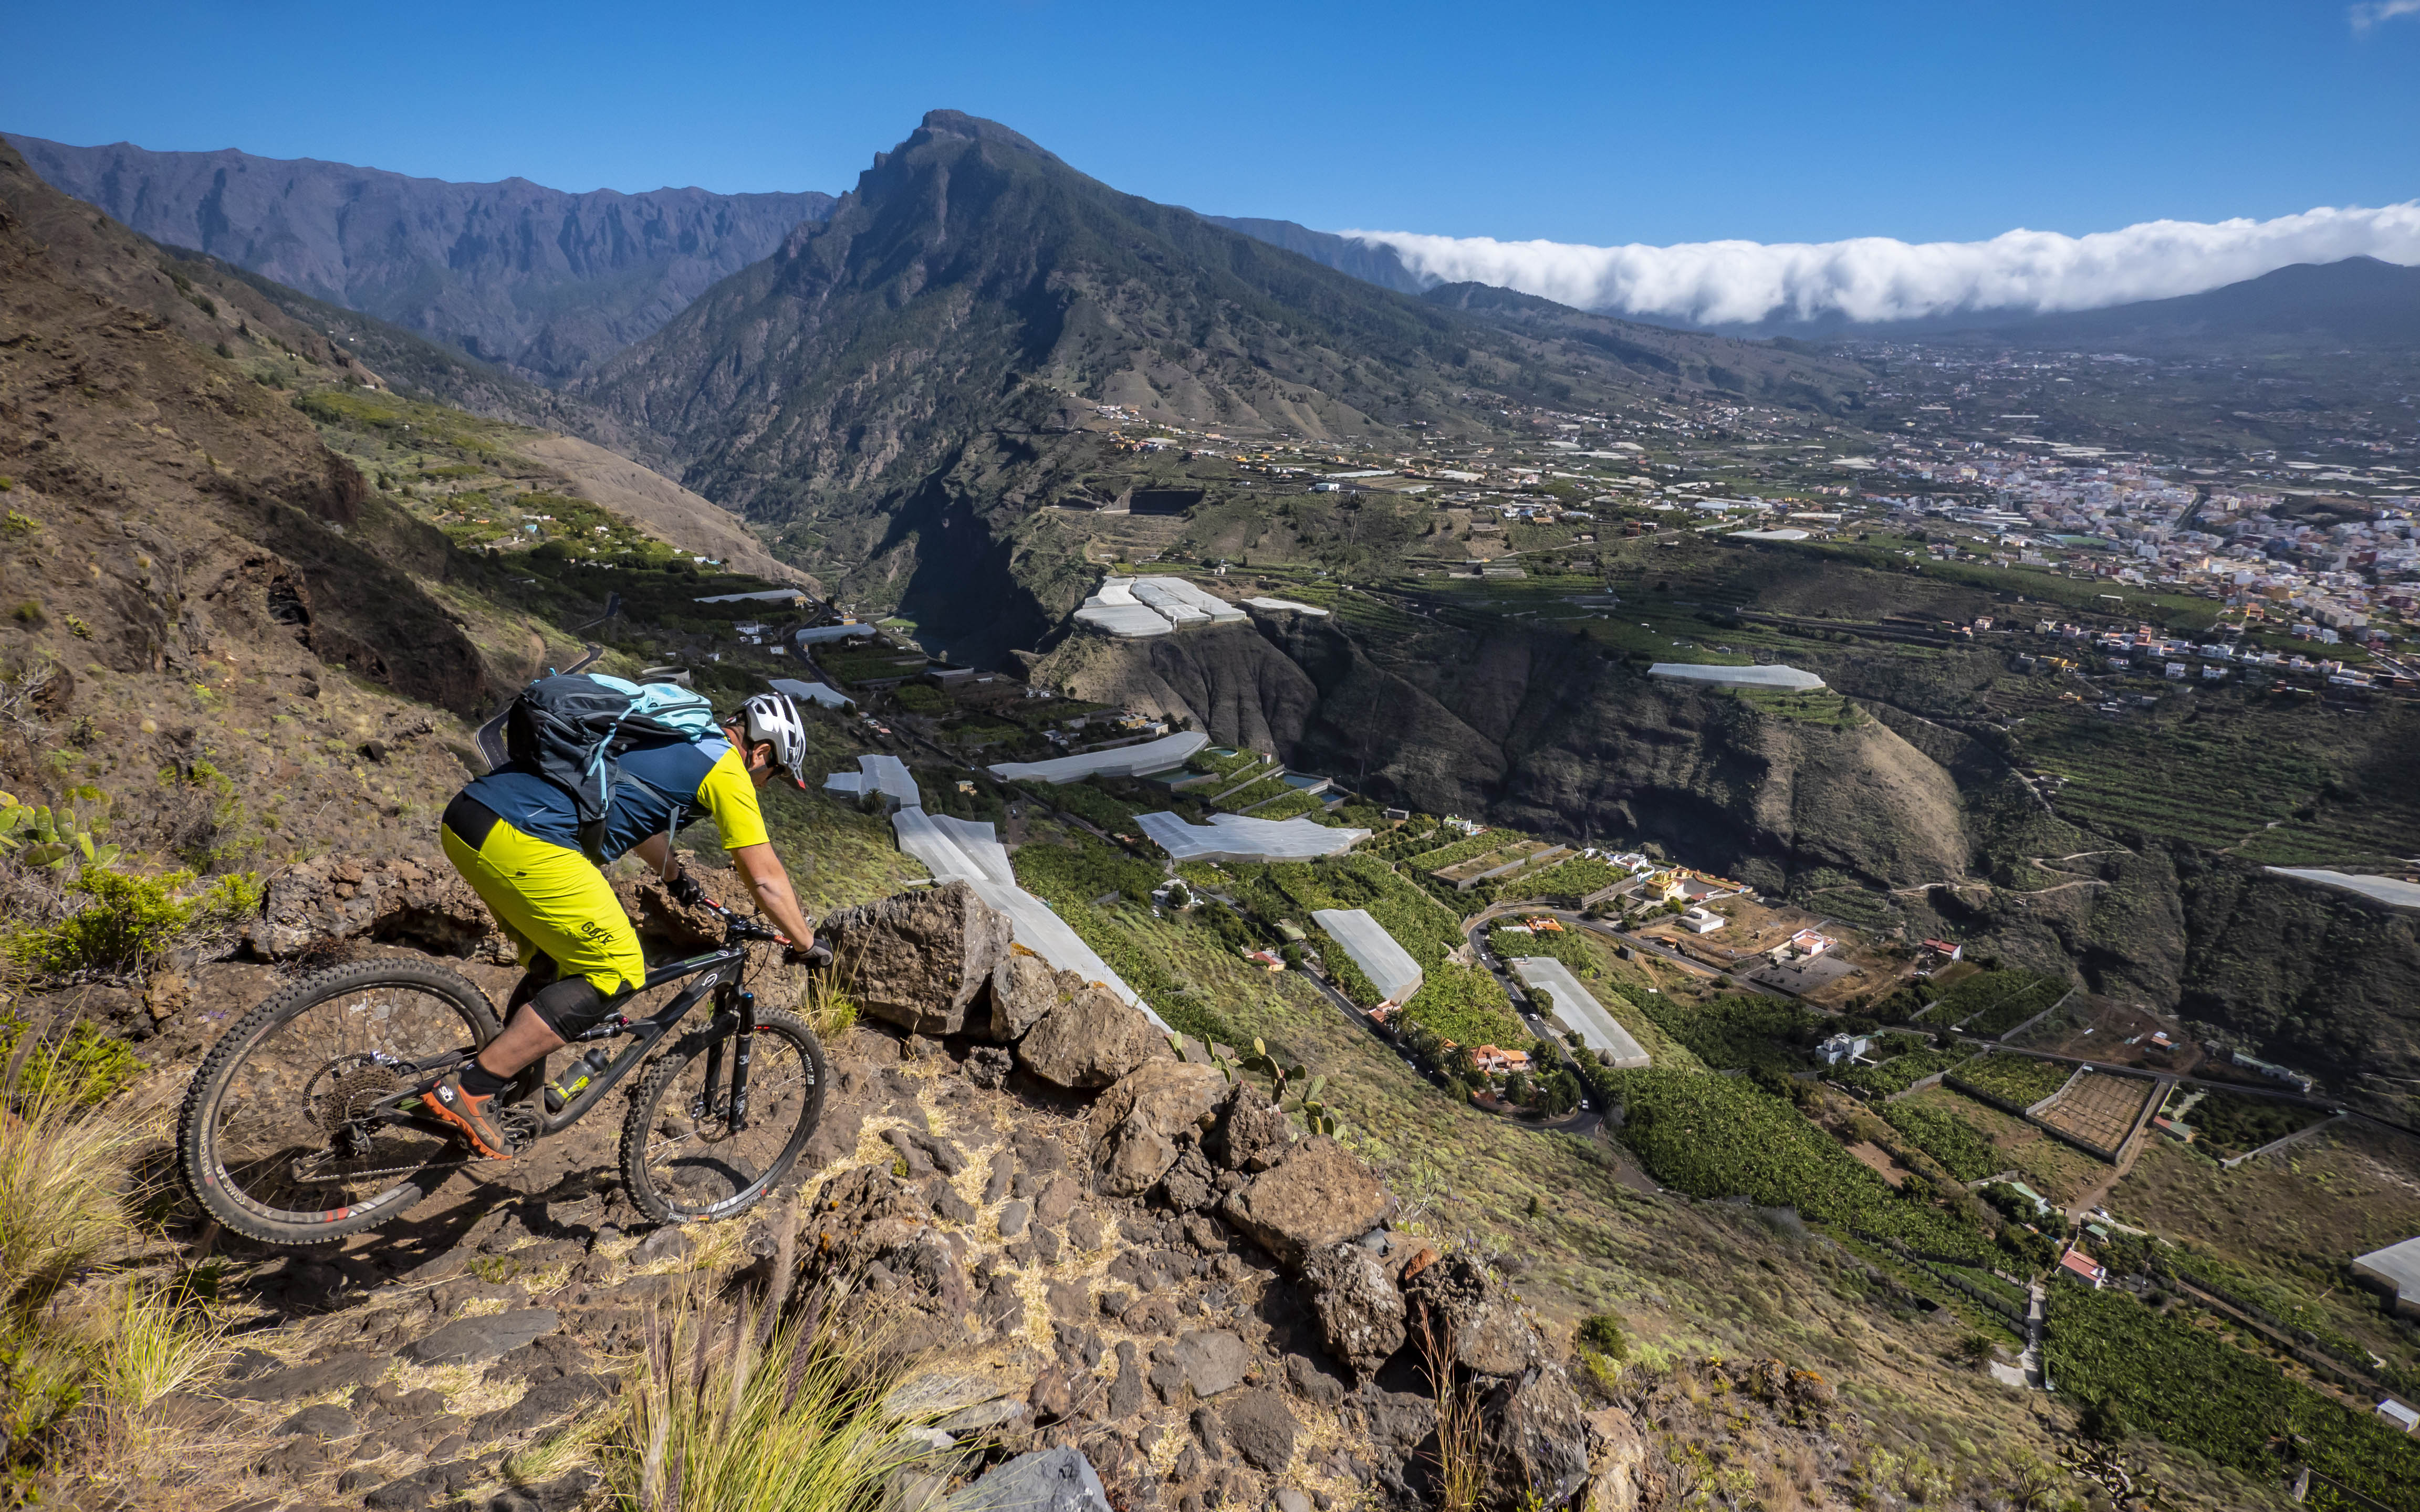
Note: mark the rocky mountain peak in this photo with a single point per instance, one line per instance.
(976, 128)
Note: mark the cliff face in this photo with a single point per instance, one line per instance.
(541, 280)
(1541, 732)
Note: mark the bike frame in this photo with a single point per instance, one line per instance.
(719, 972)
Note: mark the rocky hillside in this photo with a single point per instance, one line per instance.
(1084, 1260)
(226, 639)
(540, 281)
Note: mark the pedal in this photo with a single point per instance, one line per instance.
(519, 1127)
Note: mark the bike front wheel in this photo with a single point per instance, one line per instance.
(681, 1159)
(283, 1138)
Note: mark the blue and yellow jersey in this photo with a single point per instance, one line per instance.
(678, 780)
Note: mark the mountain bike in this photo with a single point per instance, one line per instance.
(304, 1124)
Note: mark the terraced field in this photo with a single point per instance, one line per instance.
(2248, 779)
(2098, 1109)
(2018, 1080)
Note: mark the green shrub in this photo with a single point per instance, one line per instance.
(2148, 1372)
(131, 919)
(1601, 1332)
(1068, 876)
(1735, 1032)
(1959, 1145)
(2014, 1081)
(79, 1069)
(1466, 1005)
(1900, 1073)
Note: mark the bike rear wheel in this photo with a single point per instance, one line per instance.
(276, 1140)
(681, 1162)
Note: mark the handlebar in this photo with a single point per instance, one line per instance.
(735, 927)
(738, 926)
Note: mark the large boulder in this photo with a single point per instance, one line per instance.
(1023, 990)
(1146, 1120)
(1046, 1480)
(1321, 1196)
(1469, 1312)
(1091, 1041)
(1132, 1158)
(1537, 1431)
(1617, 1461)
(1251, 1133)
(1360, 1313)
(334, 898)
(1176, 1097)
(1262, 1427)
(917, 959)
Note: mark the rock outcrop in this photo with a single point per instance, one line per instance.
(1089, 1041)
(917, 960)
(1319, 1195)
(391, 900)
(1360, 1312)
(1024, 989)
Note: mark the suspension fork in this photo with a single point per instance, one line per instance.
(743, 1043)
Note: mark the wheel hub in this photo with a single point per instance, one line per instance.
(343, 1107)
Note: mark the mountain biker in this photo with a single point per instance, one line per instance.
(512, 836)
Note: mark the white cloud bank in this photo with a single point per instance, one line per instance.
(1876, 278)
(2365, 15)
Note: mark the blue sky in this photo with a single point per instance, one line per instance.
(1604, 123)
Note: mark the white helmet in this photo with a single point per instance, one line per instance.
(772, 719)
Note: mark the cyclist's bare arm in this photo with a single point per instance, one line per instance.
(766, 879)
(771, 882)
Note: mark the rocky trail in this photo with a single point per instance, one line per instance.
(1089, 1247)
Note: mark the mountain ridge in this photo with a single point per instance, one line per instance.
(495, 270)
(925, 356)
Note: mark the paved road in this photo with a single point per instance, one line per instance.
(491, 734)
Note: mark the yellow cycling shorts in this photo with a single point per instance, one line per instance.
(552, 902)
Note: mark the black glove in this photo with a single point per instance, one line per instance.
(816, 956)
(685, 891)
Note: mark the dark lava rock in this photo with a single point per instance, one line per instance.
(482, 1338)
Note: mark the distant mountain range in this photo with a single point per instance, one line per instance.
(533, 279)
(1374, 263)
(2359, 302)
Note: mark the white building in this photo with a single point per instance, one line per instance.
(1841, 1047)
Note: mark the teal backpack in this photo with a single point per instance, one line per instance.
(571, 729)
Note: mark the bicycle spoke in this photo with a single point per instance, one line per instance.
(296, 1134)
(689, 1156)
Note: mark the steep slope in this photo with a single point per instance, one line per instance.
(264, 327)
(536, 279)
(1723, 364)
(1378, 265)
(897, 385)
(219, 640)
(2359, 302)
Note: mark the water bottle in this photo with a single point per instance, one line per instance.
(576, 1076)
